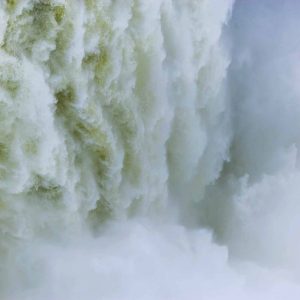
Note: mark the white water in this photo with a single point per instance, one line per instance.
(149, 149)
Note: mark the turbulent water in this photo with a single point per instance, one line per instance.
(149, 149)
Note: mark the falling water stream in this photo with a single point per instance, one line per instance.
(149, 149)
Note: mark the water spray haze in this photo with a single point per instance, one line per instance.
(149, 150)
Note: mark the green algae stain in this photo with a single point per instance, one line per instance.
(62, 42)
(41, 13)
(99, 62)
(34, 24)
(102, 153)
(10, 85)
(59, 13)
(65, 98)
(8, 79)
(103, 57)
(64, 36)
(8, 43)
(11, 4)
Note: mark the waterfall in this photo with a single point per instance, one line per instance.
(149, 149)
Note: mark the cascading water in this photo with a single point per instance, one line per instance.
(148, 149)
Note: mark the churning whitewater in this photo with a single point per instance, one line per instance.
(149, 149)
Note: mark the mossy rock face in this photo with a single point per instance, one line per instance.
(11, 86)
(59, 13)
(65, 99)
(34, 25)
(11, 4)
(98, 63)
(102, 153)
(98, 60)
(42, 13)
(102, 58)
(9, 79)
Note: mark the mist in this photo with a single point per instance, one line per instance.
(149, 150)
